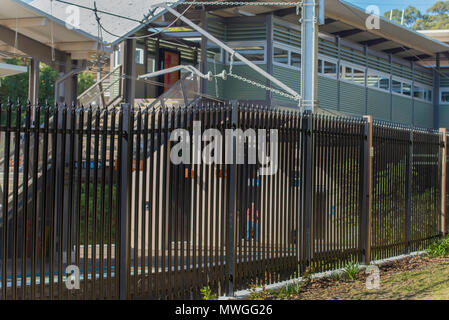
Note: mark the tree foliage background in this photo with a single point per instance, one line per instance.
(436, 17)
(16, 87)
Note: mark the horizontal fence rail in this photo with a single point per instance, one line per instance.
(145, 203)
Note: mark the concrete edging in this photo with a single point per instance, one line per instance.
(244, 294)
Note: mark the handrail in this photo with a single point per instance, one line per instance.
(99, 83)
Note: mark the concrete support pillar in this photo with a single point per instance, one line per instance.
(127, 59)
(33, 82)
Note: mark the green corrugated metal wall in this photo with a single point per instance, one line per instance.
(423, 114)
(327, 93)
(290, 77)
(379, 104)
(352, 98)
(402, 110)
(236, 89)
(443, 116)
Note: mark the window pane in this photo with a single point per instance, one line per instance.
(384, 83)
(396, 87)
(252, 53)
(330, 68)
(295, 60)
(419, 92)
(320, 66)
(280, 55)
(445, 96)
(359, 76)
(345, 73)
(406, 89)
(429, 95)
(373, 80)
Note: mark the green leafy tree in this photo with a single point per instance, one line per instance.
(411, 15)
(48, 77)
(436, 17)
(85, 81)
(14, 87)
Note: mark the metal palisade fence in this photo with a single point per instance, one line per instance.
(159, 203)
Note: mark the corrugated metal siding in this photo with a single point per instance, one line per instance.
(402, 109)
(352, 55)
(236, 89)
(217, 29)
(290, 77)
(423, 114)
(327, 48)
(444, 80)
(443, 116)
(424, 77)
(286, 35)
(379, 104)
(327, 93)
(402, 71)
(352, 98)
(379, 64)
(246, 31)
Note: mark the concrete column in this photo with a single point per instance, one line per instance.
(33, 81)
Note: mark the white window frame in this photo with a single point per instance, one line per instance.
(234, 44)
(380, 74)
(141, 56)
(441, 95)
(425, 87)
(402, 81)
(344, 64)
(324, 58)
(289, 49)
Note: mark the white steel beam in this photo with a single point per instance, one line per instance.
(231, 51)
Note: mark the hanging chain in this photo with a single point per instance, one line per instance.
(257, 84)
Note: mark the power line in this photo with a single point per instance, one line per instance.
(101, 11)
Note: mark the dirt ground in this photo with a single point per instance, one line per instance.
(418, 277)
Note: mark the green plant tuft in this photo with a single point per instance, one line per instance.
(351, 270)
(206, 292)
(439, 248)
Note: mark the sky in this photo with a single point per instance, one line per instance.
(387, 5)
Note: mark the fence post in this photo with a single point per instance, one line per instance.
(443, 182)
(232, 206)
(368, 188)
(308, 184)
(125, 200)
(409, 191)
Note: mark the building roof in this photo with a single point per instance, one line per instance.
(349, 22)
(118, 28)
(440, 35)
(11, 70)
(35, 30)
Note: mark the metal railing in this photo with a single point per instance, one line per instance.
(98, 190)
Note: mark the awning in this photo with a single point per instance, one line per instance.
(11, 69)
(37, 30)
